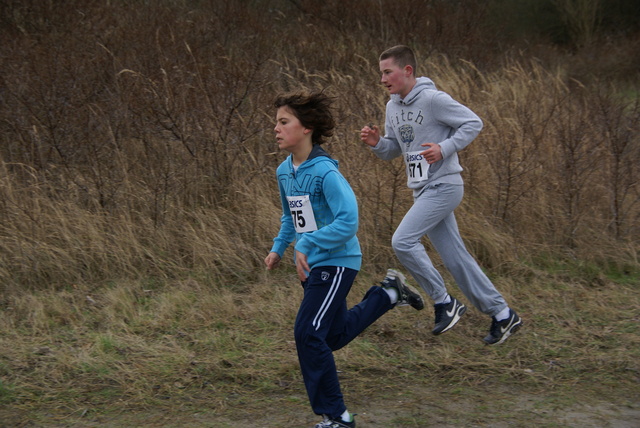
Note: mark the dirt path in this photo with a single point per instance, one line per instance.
(401, 407)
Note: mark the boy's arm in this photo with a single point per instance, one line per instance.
(388, 146)
(287, 232)
(465, 123)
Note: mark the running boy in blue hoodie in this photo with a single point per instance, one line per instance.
(320, 216)
(428, 128)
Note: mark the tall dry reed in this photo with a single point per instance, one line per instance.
(133, 150)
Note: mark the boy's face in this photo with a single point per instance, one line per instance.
(398, 80)
(290, 134)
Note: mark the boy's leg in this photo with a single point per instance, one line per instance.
(428, 210)
(473, 282)
(349, 324)
(325, 293)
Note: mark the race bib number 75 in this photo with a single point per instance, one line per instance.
(302, 213)
(417, 167)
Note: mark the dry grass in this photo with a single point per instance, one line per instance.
(78, 355)
(137, 201)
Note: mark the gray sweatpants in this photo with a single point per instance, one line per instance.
(432, 215)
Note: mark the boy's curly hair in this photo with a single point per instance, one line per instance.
(313, 110)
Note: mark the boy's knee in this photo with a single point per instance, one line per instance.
(399, 244)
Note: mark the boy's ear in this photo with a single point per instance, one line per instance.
(408, 70)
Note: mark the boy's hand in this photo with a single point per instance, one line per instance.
(370, 135)
(302, 266)
(433, 154)
(272, 260)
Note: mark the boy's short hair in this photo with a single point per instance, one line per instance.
(402, 55)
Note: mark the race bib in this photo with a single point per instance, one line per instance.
(302, 213)
(417, 167)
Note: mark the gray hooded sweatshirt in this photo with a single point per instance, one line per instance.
(427, 115)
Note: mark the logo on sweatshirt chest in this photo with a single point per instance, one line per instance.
(404, 121)
(406, 134)
(302, 184)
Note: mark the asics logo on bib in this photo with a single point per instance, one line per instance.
(295, 203)
(413, 158)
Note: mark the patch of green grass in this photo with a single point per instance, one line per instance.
(625, 274)
(97, 369)
(7, 392)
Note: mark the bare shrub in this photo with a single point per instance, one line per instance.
(137, 141)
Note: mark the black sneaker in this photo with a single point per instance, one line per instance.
(336, 423)
(407, 295)
(501, 330)
(447, 315)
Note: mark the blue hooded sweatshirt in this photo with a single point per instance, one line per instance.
(427, 115)
(326, 230)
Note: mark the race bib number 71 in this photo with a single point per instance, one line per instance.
(302, 213)
(417, 167)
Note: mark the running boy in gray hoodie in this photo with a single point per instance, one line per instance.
(428, 128)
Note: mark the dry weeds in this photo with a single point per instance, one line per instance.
(137, 201)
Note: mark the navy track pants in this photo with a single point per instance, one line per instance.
(324, 325)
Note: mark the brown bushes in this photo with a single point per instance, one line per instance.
(137, 140)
